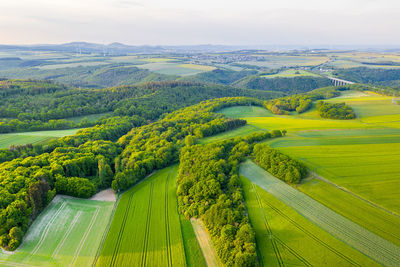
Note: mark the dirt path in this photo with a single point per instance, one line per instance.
(205, 243)
(105, 195)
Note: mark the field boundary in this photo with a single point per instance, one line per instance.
(205, 243)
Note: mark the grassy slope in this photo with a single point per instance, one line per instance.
(68, 232)
(146, 228)
(7, 140)
(343, 229)
(291, 73)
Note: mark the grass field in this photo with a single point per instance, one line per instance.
(175, 68)
(146, 229)
(7, 140)
(67, 233)
(291, 73)
(282, 233)
(355, 236)
(242, 131)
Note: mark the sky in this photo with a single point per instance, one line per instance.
(189, 22)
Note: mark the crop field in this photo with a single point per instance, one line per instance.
(289, 61)
(281, 233)
(146, 229)
(246, 111)
(291, 73)
(7, 140)
(175, 68)
(350, 233)
(67, 233)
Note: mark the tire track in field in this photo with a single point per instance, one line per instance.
(66, 234)
(121, 231)
(47, 228)
(309, 234)
(146, 234)
(357, 237)
(168, 234)
(83, 240)
(270, 235)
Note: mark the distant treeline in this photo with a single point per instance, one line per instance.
(376, 76)
(288, 86)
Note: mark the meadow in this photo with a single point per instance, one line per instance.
(355, 236)
(146, 229)
(9, 139)
(67, 233)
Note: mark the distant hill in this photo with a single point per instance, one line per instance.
(90, 76)
(219, 76)
(287, 85)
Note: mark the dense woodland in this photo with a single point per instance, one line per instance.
(337, 111)
(100, 76)
(37, 105)
(377, 76)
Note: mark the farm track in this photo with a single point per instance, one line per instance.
(146, 234)
(121, 232)
(345, 230)
(168, 234)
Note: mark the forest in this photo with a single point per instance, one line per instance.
(337, 111)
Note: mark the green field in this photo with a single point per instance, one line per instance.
(355, 236)
(242, 131)
(147, 229)
(67, 233)
(282, 233)
(7, 140)
(178, 69)
(291, 73)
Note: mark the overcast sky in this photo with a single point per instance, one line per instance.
(174, 22)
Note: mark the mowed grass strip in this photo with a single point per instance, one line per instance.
(67, 233)
(343, 229)
(146, 228)
(275, 222)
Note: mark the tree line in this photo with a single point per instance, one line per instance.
(279, 164)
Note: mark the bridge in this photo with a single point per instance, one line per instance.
(339, 82)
